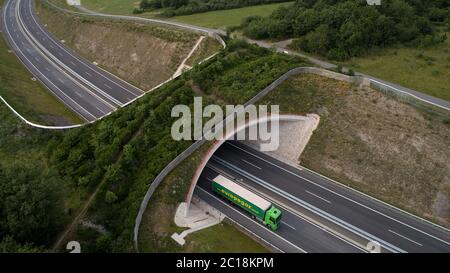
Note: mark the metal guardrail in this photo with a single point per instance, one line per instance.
(40, 126)
(358, 79)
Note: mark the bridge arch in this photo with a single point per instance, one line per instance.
(228, 136)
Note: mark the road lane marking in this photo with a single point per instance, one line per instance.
(108, 86)
(308, 206)
(315, 195)
(288, 225)
(291, 210)
(122, 82)
(250, 219)
(347, 198)
(19, 51)
(251, 164)
(103, 112)
(404, 237)
(43, 50)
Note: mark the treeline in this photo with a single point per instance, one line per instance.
(241, 71)
(184, 7)
(124, 152)
(30, 207)
(31, 192)
(128, 149)
(341, 29)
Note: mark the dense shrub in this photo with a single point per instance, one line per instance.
(184, 7)
(341, 29)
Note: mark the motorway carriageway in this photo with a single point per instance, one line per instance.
(88, 90)
(295, 234)
(395, 230)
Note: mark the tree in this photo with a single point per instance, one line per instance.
(9, 245)
(30, 204)
(110, 197)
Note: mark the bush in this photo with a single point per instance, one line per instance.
(110, 197)
(138, 10)
(343, 29)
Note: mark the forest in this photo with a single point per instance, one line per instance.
(184, 7)
(46, 176)
(341, 29)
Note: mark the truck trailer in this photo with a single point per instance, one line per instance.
(257, 206)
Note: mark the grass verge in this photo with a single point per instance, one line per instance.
(425, 70)
(227, 18)
(373, 143)
(158, 225)
(31, 99)
(212, 19)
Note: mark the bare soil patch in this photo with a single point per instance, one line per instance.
(144, 55)
(374, 143)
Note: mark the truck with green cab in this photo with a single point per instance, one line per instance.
(257, 206)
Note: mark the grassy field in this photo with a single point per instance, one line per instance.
(29, 97)
(212, 19)
(111, 6)
(373, 143)
(227, 18)
(158, 225)
(425, 70)
(223, 238)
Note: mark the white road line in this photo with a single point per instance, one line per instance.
(250, 219)
(310, 207)
(347, 198)
(48, 69)
(108, 86)
(87, 73)
(100, 110)
(73, 63)
(122, 82)
(43, 51)
(288, 225)
(315, 195)
(59, 79)
(404, 237)
(251, 164)
(291, 210)
(31, 64)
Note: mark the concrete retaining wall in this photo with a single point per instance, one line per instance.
(358, 80)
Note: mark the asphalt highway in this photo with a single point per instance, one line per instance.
(296, 234)
(394, 229)
(88, 90)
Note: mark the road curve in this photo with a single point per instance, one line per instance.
(89, 91)
(324, 64)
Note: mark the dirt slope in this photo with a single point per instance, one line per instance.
(141, 54)
(374, 143)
